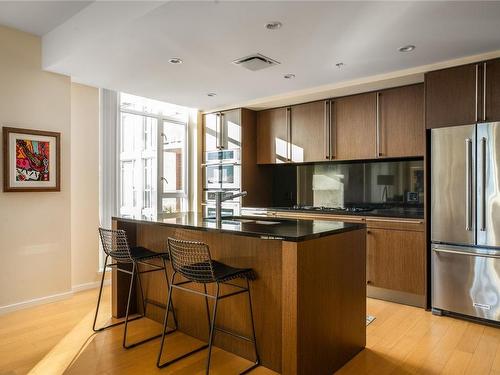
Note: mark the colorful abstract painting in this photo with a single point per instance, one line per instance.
(32, 160)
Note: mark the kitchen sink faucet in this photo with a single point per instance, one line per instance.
(222, 196)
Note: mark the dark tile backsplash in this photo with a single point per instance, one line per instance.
(374, 183)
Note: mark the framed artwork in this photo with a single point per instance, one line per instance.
(31, 160)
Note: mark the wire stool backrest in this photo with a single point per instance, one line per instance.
(115, 244)
(192, 260)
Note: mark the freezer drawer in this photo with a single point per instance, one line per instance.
(466, 280)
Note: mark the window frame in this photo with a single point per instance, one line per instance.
(160, 194)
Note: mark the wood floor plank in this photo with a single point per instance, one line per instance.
(402, 340)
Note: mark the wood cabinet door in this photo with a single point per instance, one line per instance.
(396, 260)
(272, 136)
(230, 129)
(354, 127)
(401, 121)
(492, 97)
(210, 132)
(450, 96)
(308, 132)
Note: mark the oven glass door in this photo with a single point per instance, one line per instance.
(209, 196)
(227, 209)
(230, 176)
(213, 177)
(222, 156)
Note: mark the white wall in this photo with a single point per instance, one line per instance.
(84, 184)
(34, 227)
(48, 240)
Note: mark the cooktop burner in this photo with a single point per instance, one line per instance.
(331, 209)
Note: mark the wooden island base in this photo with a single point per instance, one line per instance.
(309, 297)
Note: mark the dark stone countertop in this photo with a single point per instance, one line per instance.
(267, 228)
(395, 212)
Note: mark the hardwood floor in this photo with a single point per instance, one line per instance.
(402, 340)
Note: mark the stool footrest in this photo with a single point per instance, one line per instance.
(117, 324)
(247, 370)
(148, 339)
(165, 364)
(231, 333)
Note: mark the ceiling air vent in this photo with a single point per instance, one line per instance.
(255, 62)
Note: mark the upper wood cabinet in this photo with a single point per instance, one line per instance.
(222, 130)
(273, 136)
(401, 127)
(491, 90)
(309, 132)
(353, 127)
(463, 95)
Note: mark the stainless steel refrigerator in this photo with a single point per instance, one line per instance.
(465, 220)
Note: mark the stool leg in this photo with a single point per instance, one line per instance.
(128, 304)
(257, 358)
(207, 308)
(100, 294)
(165, 321)
(212, 329)
(143, 296)
(171, 305)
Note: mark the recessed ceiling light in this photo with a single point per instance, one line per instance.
(211, 94)
(289, 76)
(339, 65)
(274, 25)
(408, 48)
(175, 60)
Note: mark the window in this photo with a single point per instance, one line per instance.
(152, 157)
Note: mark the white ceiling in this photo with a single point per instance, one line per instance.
(38, 17)
(125, 45)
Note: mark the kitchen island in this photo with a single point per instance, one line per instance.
(309, 294)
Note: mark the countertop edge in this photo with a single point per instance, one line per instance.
(348, 228)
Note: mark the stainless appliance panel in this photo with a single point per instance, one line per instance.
(466, 280)
(488, 184)
(453, 185)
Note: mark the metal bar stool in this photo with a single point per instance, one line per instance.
(193, 261)
(116, 247)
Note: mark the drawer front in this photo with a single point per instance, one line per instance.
(311, 216)
(396, 223)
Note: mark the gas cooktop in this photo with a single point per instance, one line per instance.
(330, 209)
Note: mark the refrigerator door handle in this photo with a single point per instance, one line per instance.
(468, 184)
(483, 185)
(460, 252)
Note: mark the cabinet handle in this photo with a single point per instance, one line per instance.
(217, 131)
(477, 88)
(377, 152)
(222, 130)
(289, 134)
(333, 131)
(368, 282)
(368, 232)
(327, 130)
(484, 92)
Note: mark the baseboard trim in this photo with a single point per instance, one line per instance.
(35, 302)
(87, 286)
(52, 298)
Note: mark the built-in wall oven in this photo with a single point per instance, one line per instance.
(222, 171)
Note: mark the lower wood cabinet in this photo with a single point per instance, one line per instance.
(396, 260)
